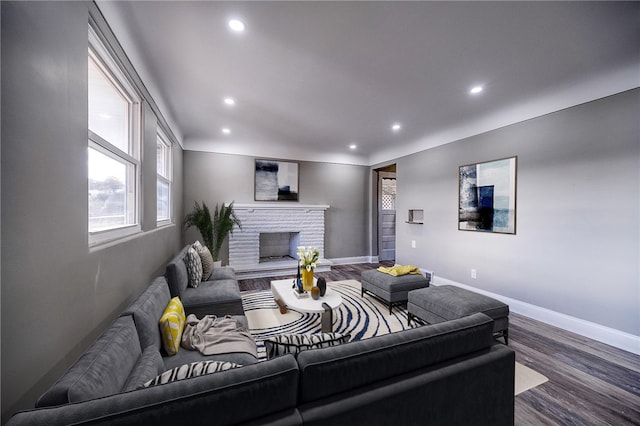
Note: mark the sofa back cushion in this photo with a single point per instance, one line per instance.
(149, 366)
(340, 368)
(262, 393)
(102, 370)
(176, 273)
(146, 311)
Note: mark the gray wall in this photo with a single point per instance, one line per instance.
(577, 245)
(217, 178)
(57, 294)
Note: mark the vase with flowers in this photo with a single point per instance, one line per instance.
(307, 259)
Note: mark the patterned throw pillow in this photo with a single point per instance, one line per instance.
(172, 324)
(194, 267)
(206, 259)
(294, 343)
(194, 369)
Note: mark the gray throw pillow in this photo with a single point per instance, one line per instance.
(194, 267)
(207, 261)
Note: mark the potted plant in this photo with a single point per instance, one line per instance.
(213, 230)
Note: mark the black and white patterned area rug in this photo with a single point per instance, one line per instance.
(362, 317)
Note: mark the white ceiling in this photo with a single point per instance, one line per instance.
(310, 78)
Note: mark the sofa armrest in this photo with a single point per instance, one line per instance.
(223, 273)
(176, 274)
(102, 370)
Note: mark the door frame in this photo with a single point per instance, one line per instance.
(382, 175)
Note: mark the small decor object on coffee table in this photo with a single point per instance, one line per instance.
(315, 293)
(297, 287)
(282, 291)
(308, 259)
(322, 286)
(297, 284)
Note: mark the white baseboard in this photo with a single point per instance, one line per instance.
(610, 336)
(354, 260)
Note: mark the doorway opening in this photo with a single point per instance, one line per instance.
(386, 207)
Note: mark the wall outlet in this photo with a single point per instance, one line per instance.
(473, 274)
(413, 243)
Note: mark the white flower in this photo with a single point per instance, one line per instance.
(308, 257)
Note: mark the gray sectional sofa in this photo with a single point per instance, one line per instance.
(442, 374)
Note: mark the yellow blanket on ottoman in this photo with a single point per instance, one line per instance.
(398, 270)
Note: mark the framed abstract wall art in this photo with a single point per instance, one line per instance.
(487, 196)
(276, 180)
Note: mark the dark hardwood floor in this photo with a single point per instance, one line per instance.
(590, 383)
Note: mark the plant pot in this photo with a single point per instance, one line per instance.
(217, 264)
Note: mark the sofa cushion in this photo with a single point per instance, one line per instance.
(172, 324)
(102, 370)
(147, 310)
(294, 343)
(194, 267)
(149, 366)
(219, 297)
(193, 369)
(340, 368)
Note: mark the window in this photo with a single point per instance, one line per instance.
(164, 178)
(113, 145)
(388, 193)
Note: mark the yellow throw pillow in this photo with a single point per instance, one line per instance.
(171, 326)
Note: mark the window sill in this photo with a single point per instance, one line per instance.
(125, 238)
(101, 238)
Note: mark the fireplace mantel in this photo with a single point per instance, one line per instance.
(278, 206)
(244, 245)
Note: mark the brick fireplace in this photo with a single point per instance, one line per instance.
(270, 233)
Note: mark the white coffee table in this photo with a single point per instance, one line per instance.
(283, 290)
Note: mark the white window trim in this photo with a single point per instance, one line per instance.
(162, 138)
(114, 72)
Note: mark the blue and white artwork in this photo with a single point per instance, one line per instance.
(276, 180)
(487, 200)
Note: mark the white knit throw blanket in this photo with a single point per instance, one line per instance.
(212, 335)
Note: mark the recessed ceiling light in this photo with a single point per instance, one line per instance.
(396, 127)
(353, 146)
(476, 89)
(229, 101)
(226, 130)
(237, 25)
